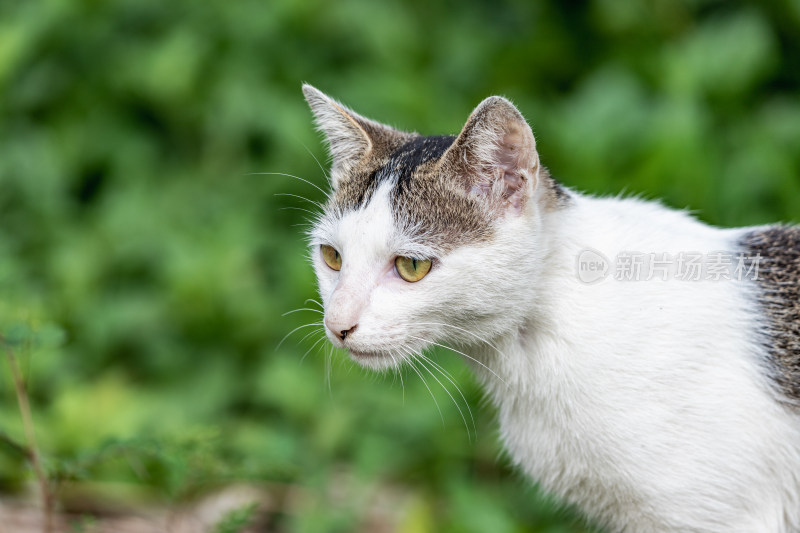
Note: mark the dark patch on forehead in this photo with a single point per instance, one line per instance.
(409, 157)
(778, 280)
(396, 164)
(429, 197)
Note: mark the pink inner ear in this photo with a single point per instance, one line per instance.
(512, 188)
(512, 181)
(509, 159)
(506, 154)
(504, 176)
(509, 153)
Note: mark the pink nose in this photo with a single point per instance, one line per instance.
(341, 330)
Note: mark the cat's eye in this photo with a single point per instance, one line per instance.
(411, 269)
(331, 257)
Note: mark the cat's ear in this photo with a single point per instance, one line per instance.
(351, 137)
(495, 155)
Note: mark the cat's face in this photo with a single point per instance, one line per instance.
(426, 240)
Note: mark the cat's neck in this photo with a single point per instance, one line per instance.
(565, 312)
(504, 362)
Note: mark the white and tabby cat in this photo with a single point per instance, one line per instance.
(653, 405)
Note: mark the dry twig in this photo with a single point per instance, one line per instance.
(31, 450)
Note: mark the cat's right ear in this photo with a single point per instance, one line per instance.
(495, 155)
(351, 137)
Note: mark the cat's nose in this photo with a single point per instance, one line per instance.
(339, 329)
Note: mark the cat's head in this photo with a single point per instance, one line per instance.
(427, 240)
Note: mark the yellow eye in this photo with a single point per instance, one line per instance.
(331, 257)
(411, 269)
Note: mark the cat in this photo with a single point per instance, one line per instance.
(651, 401)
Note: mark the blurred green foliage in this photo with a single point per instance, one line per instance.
(146, 265)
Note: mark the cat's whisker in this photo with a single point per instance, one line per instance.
(411, 365)
(307, 335)
(461, 353)
(394, 368)
(468, 332)
(328, 364)
(422, 359)
(298, 328)
(451, 379)
(288, 176)
(324, 172)
(291, 208)
(301, 309)
(314, 301)
(399, 370)
(437, 365)
(317, 204)
(316, 343)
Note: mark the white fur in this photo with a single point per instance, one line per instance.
(644, 403)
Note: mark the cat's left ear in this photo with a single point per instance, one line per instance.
(351, 138)
(495, 155)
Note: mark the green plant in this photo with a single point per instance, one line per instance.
(236, 520)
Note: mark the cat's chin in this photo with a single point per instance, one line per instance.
(374, 360)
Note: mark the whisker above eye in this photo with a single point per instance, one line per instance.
(310, 212)
(299, 197)
(288, 176)
(324, 172)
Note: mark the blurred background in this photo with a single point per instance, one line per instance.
(147, 261)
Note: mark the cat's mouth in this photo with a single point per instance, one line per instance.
(376, 360)
(366, 355)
